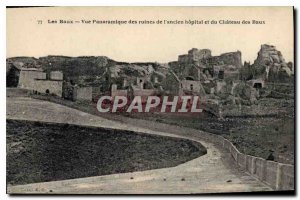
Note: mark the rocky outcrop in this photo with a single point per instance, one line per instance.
(269, 65)
(275, 66)
(87, 67)
(131, 70)
(268, 55)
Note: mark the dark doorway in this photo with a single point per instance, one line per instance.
(221, 75)
(257, 85)
(189, 78)
(191, 87)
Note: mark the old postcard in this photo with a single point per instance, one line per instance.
(150, 100)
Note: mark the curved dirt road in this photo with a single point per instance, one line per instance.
(211, 173)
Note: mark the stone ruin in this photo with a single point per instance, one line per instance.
(269, 66)
(222, 78)
(227, 81)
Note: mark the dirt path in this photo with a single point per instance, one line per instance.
(211, 173)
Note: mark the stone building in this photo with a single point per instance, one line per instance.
(128, 74)
(199, 71)
(230, 58)
(74, 92)
(188, 71)
(117, 92)
(200, 65)
(35, 80)
(175, 86)
(83, 93)
(134, 80)
(56, 75)
(28, 76)
(257, 83)
(172, 84)
(194, 55)
(143, 93)
(53, 87)
(157, 79)
(226, 72)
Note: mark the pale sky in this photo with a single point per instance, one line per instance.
(142, 43)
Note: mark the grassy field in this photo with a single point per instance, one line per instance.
(254, 135)
(263, 136)
(257, 136)
(40, 152)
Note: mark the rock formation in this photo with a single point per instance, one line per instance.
(268, 55)
(275, 67)
(269, 65)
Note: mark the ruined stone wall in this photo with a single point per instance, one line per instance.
(56, 75)
(27, 78)
(194, 55)
(190, 72)
(192, 86)
(116, 92)
(220, 86)
(119, 93)
(157, 78)
(171, 85)
(184, 58)
(144, 93)
(231, 76)
(186, 71)
(204, 53)
(83, 93)
(232, 58)
(48, 86)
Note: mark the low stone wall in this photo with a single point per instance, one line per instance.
(50, 86)
(279, 176)
(16, 92)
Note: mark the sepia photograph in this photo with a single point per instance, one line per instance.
(150, 100)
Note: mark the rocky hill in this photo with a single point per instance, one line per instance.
(268, 55)
(82, 68)
(269, 65)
